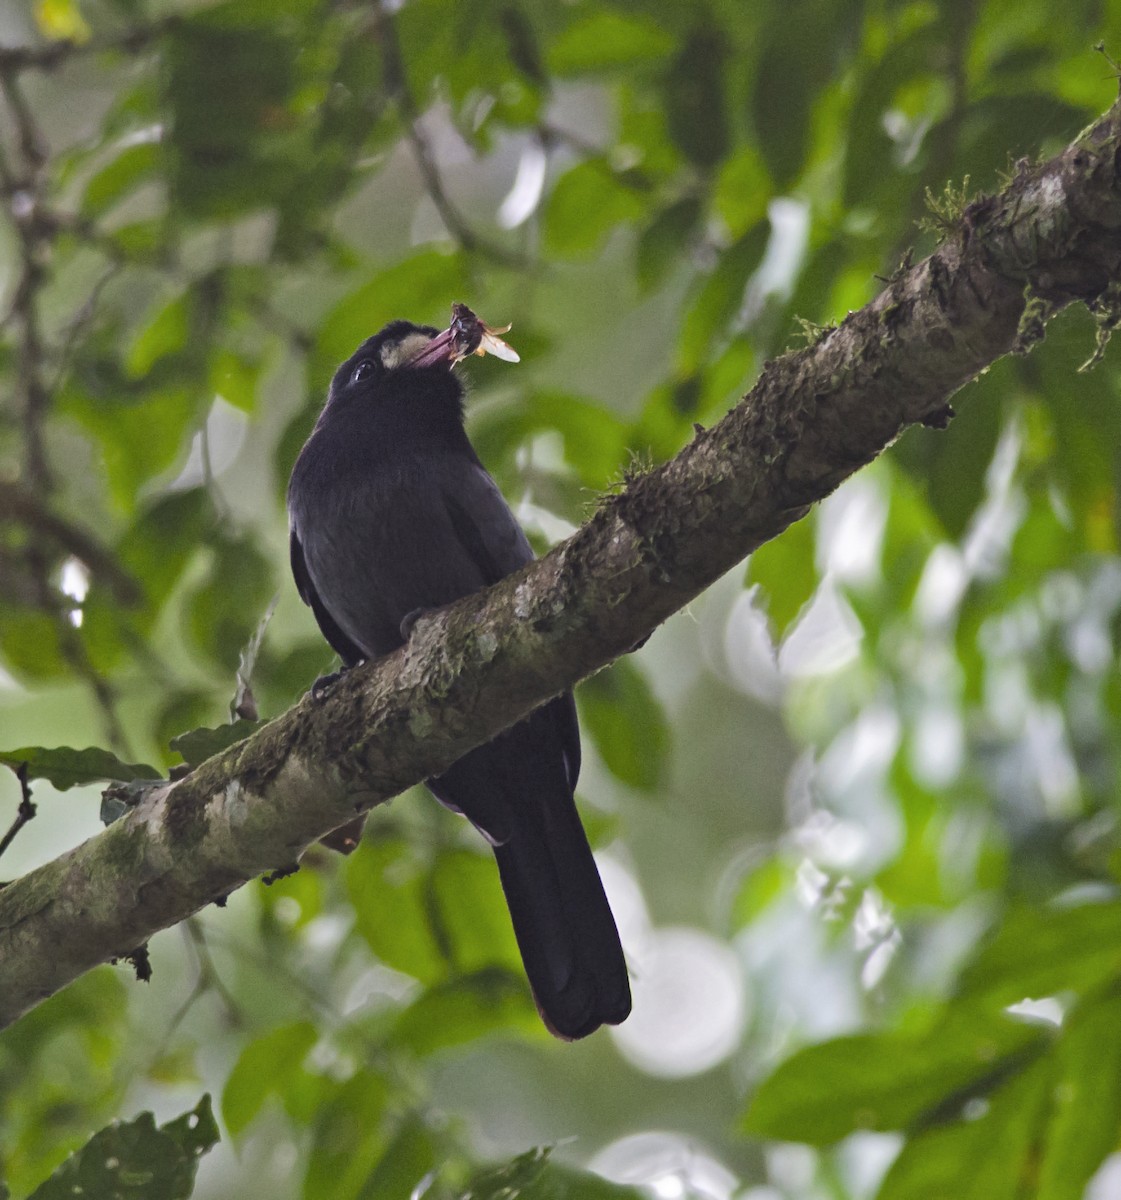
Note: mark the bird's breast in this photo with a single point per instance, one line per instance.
(380, 544)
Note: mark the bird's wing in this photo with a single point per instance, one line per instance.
(563, 710)
(496, 543)
(340, 643)
(484, 524)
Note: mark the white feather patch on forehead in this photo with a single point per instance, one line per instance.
(393, 354)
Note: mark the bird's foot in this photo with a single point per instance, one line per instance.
(321, 688)
(408, 622)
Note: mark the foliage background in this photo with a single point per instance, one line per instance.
(857, 807)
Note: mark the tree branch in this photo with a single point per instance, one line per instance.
(19, 505)
(813, 418)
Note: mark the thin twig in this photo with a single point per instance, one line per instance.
(32, 144)
(206, 979)
(276, 322)
(25, 183)
(454, 221)
(80, 322)
(635, 178)
(24, 813)
(51, 55)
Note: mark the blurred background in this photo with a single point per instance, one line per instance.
(856, 808)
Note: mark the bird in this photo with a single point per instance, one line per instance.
(392, 513)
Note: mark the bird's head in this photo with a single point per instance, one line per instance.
(404, 347)
(394, 348)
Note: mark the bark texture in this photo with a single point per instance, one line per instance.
(814, 417)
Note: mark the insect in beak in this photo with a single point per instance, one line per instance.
(465, 335)
(492, 343)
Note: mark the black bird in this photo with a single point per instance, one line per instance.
(392, 513)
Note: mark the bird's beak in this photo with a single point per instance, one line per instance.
(465, 335)
(440, 351)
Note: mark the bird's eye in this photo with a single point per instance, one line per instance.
(363, 371)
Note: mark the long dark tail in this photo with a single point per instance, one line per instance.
(518, 790)
(563, 923)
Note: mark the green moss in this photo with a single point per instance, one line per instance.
(1106, 310)
(125, 847)
(946, 211)
(1033, 320)
(810, 332)
(185, 821)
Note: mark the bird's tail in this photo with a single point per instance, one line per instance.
(563, 924)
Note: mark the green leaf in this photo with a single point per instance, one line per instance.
(884, 1081)
(200, 744)
(226, 606)
(952, 463)
(92, 1012)
(182, 710)
(266, 1067)
(468, 914)
(696, 106)
(61, 20)
(244, 15)
(430, 920)
(870, 167)
(785, 569)
(532, 1176)
(595, 440)
(627, 724)
(741, 191)
(1041, 952)
(996, 130)
(139, 240)
(139, 426)
(991, 1157)
(465, 51)
(195, 1131)
(1080, 459)
(65, 768)
(31, 644)
(523, 45)
(795, 57)
(165, 333)
(391, 895)
(286, 677)
(234, 377)
(718, 299)
(586, 204)
(348, 1140)
(161, 541)
(664, 243)
(134, 166)
(135, 1159)
(605, 40)
(1087, 1100)
(229, 87)
(466, 1009)
(410, 1156)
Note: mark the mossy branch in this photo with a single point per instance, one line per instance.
(814, 417)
